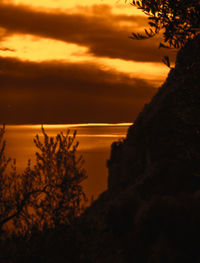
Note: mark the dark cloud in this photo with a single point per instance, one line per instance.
(68, 93)
(102, 34)
(7, 49)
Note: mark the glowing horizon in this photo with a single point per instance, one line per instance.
(51, 126)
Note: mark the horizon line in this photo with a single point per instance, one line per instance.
(70, 125)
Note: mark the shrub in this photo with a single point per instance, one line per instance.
(47, 195)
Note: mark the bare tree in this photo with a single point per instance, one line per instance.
(48, 194)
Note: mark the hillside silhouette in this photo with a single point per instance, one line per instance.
(150, 212)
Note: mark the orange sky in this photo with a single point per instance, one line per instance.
(72, 61)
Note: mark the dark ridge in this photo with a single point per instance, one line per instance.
(150, 212)
(164, 140)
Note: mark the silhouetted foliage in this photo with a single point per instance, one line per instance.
(59, 244)
(180, 20)
(47, 195)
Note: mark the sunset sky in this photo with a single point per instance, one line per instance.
(69, 61)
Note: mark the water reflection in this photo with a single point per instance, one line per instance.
(94, 145)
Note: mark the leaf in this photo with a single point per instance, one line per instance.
(163, 46)
(166, 61)
(149, 34)
(153, 24)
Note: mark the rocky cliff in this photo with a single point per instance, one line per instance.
(150, 212)
(163, 144)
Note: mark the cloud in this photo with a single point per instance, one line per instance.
(104, 33)
(7, 49)
(68, 93)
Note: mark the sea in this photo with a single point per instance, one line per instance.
(95, 140)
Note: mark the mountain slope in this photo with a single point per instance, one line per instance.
(150, 212)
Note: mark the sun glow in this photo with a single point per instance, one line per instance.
(28, 47)
(74, 6)
(31, 48)
(147, 70)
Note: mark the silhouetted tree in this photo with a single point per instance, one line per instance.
(180, 20)
(5, 195)
(46, 195)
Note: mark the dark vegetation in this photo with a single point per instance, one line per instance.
(177, 19)
(41, 204)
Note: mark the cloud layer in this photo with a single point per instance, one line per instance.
(64, 92)
(104, 34)
(67, 93)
